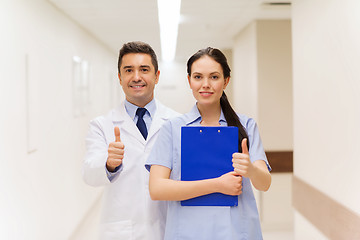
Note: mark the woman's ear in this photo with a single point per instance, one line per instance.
(188, 77)
(227, 80)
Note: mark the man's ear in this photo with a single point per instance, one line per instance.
(119, 77)
(157, 76)
(188, 77)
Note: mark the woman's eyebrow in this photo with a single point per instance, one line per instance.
(197, 73)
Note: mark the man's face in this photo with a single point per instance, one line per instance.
(138, 78)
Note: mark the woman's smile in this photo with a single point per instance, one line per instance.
(206, 94)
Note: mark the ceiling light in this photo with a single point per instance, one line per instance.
(169, 15)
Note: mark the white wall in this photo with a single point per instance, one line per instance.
(275, 84)
(173, 88)
(41, 142)
(326, 56)
(262, 80)
(245, 72)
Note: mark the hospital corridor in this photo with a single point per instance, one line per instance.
(294, 70)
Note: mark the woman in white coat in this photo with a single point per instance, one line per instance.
(117, 150)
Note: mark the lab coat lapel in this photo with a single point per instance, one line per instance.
(160, 116)
(126, 124)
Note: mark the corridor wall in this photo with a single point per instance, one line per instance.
(326, 56)
(41, 135)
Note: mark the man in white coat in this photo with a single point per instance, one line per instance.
(118, 145)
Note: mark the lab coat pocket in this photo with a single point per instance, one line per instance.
(121, 230)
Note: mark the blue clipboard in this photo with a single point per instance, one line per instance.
(206, 152)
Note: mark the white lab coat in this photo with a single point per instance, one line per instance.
(128, 212)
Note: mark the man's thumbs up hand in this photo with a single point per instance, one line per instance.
(115, 152)
(117, 134)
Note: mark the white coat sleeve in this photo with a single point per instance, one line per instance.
(94, 167)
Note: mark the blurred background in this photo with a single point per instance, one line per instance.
(295, 70)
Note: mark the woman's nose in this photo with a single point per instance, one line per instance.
(206, 83)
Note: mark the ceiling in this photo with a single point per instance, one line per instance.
(203, 22)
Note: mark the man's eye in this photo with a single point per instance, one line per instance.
(128, 70)
(144, 70)
(197, 77)
(215, 77)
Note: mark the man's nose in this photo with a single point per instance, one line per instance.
(137, 75)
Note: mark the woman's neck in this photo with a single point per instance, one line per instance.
(210, 115)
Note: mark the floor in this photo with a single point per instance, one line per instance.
(286, 235)
(88, 229)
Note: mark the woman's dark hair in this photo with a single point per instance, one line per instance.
(231, 117)
(137, 47)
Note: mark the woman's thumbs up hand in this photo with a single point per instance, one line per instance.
(241, 161)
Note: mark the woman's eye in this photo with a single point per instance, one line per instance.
(197, 77)
(215, 77)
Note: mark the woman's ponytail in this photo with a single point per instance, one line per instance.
(232, 119)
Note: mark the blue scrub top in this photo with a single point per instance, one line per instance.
(207, 222)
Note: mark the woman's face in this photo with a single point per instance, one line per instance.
(207, 81)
